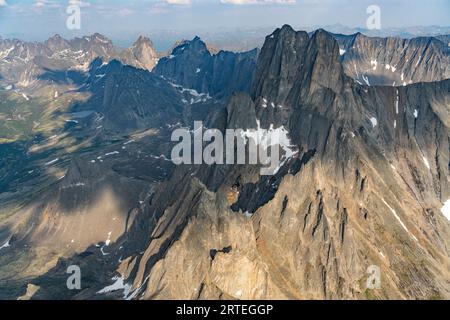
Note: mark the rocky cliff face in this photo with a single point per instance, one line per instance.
(130, 99)
(192, 66)
(141, 55)
(394, 61)
(365, 188)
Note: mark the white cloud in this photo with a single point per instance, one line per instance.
(40, 3)
(164, 6)
(46, 3)
(79, 3)
(3, 3)
(54, 4)
(245, 2)
(179, 2)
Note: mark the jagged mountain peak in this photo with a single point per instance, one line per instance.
(192, 65)
(56, 42)
(99, 36)
(290, 62)
(142, 54)
(56, 36)
(286, 31)
(194, 46)
(143, 40)
(286, 28)
(327, 44)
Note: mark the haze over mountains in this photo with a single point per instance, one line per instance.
(87, 177)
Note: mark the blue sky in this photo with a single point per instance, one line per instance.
(38, 19)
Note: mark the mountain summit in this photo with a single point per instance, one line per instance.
(142, 54)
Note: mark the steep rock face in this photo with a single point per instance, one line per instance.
(394, 61)
(141, 55)
(444, 38)
(191, 65)
(130, 98)
(364, 189)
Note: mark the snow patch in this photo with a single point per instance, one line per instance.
(397, 99)
(374, 121)
(6, 244)
(108, 240)
(111, 153)
(264, 103)
(79, 184)
(119, 284)
(5, 53)
(52, 162)
(248, 214)
(427, 164)
(103, 252)
(446, 209)
(366, 80)
(399, 220)
(272, 137)
(374, 64)
(418, 61)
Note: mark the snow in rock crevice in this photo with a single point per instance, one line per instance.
(51, 162)
(366, 80)
(399, 220)
(374, 64)
(119, 284)
(425, 161)
(446, 209)
(6, 244)
(271, 137)
(397, 99)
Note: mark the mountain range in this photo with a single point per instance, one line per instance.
(87, 178)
